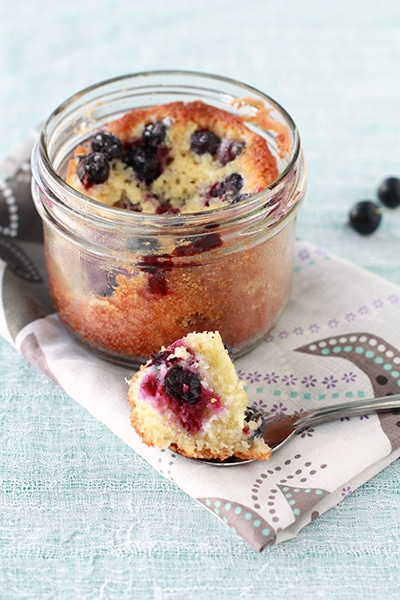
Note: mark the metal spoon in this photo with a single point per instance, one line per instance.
(278, 429)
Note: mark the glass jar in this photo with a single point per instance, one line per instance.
(126, 283)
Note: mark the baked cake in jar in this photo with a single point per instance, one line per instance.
(173, 162)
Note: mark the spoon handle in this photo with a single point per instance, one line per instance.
(348, 409)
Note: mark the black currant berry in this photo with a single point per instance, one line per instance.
(144, 161)
(228, 189)
(182, 384)
(159, 358)
(228, 150)
(107, 143)
(204, 141)
(154, 133)
(389, 192)
(365, 217)
(93, 168)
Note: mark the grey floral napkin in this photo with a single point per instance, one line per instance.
(337, 340)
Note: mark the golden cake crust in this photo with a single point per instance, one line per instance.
(185, 175)
(257, 162)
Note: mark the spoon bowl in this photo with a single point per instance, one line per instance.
(278, 429)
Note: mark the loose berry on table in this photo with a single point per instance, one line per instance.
(389, 192)
(365, 217)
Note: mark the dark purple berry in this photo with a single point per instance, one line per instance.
(228, 150)
(148, 155)
(182, 384)
(144, 162)
(228, 189)
(204, 141)
(198, 245)
(93, 168)
(257, 418)
(389, 192)
(159, 358)
(107, 143)
(365, 217)
(154, 133)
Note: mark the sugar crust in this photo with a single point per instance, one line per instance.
(187, 176)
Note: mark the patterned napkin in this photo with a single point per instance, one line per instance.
(338, 339)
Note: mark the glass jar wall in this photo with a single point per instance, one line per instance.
(126, 283)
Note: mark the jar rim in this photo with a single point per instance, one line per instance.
(81, 202)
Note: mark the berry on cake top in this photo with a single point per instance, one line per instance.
(173, 158)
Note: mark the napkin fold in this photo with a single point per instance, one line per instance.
(338, 339)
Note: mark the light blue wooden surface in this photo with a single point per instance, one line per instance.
(81, 516)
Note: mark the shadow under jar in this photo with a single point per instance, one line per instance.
(126, 283)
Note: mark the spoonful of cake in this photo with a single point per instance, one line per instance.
(188, 397)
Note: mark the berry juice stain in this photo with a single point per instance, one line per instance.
(201, 244)
(158, 266)
(181, 393)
